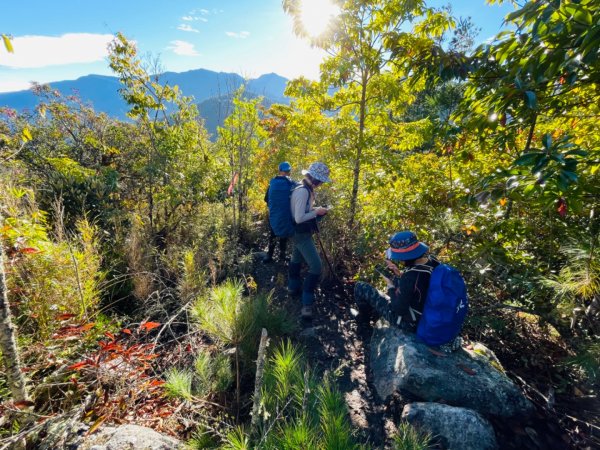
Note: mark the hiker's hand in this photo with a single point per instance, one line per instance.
(388, 282)
(321, 211)
(393, 267)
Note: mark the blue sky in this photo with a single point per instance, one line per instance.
(65, 39)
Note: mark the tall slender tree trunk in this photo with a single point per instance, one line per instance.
(8, 342)
(359, 149)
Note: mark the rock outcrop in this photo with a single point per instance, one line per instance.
(68, 433)
(468, 379)
(456, 428)
(129, 437)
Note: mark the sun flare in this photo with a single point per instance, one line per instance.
(316, 15)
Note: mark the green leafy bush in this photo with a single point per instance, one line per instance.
(588, 360)
(49, 278)
(202, 439)
(576, 287)
(234, 321)
(409, 438)
(179, 384)
(299, 410)
(212, 373)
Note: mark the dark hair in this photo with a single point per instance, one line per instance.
(313, 180)
(412, 262)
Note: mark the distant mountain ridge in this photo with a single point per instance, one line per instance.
(208, 88)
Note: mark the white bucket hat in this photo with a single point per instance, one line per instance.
(319, 171)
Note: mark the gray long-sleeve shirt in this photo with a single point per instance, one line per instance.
(298, 203)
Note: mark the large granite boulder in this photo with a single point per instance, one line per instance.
(401, 362)
(130, 437)
(456, 428)
(68, 433)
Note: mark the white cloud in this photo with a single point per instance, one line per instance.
(198, 15)
(10, 86)
(206, 12)
(183, 48)
(240, 35)
(186, 27)
(43, 51)
(192, 18)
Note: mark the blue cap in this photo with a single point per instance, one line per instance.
(404, 246)
(285, 167)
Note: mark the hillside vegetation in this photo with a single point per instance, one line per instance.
(130, 292)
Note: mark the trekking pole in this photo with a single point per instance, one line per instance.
(327, 258)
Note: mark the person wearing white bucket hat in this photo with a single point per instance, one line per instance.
(305, 216)
(318, 171)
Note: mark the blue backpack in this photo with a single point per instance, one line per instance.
(446, 307)
(280, 212)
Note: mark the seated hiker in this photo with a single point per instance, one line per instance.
(408, 289)
(305, 216)
(277, 198)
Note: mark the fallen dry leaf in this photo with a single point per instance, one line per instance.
(436, 353)
(466, 369)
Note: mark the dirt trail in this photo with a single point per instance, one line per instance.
(335, 341)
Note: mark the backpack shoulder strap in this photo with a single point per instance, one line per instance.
(300, 185)
(423, 268)
(303, 186)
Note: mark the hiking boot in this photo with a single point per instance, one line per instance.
(452, 346)
(306, 312)
(309, 287)
(364, 315)
(294, 286)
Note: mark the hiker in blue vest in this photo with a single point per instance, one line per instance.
(277, 198)
(305, 215)
(408, 289)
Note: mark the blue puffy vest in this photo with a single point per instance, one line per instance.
(280, 212)
(446, 306)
